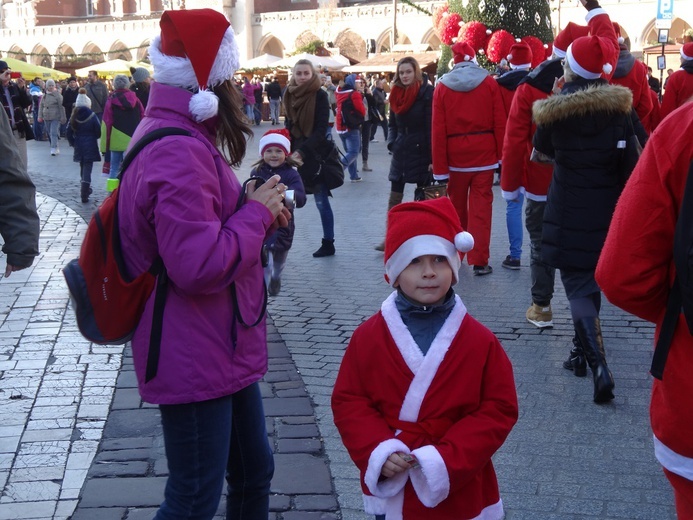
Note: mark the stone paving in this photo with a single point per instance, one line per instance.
(566, 458)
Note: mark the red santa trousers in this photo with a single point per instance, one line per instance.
(683, 495)
(472, 195)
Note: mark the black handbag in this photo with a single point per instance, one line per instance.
(23, 124)
(330, 168)
(431, 190)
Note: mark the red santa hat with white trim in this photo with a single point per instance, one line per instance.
(196, 50)
(687, 51)
(462, 51)
(429, 227)
(589, 56)
(617, 30)
(279, 138)
(520, 56)
(568, 35)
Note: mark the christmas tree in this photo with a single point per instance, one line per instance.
(492, 26)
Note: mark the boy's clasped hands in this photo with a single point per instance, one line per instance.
(398, 462)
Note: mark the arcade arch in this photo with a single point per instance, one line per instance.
(270, 45)
(351, 44)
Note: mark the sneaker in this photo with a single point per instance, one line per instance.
(57, 151)
(541, 317)
(374, 141)
(357, 179)
(481, 270)
(52, 151)
(511, 263)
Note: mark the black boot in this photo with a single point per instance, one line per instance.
(576, 359)
(326, 249)
(85, 192)
(589, 331)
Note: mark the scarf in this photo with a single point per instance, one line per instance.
(299, 103)
(402, 98)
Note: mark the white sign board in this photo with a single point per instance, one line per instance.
(665, 14)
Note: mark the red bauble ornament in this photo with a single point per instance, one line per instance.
(438, 15)
(450, 26)
(498, 46)
(538, 50)
(474, 33)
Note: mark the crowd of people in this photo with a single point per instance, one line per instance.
(425, 395)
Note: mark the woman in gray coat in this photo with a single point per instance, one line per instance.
(52, 112)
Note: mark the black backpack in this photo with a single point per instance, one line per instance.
(351, 118)
(681, 295)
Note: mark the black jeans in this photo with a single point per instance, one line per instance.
(542, 275)
(382, 123)
(365, 139)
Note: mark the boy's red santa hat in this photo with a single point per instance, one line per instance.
(617, 30)
(196, 50)
(687, 51)
(429, 227)
(588, 57)
(520, 56)
(568, 35)
(279, 138)
(462, 51)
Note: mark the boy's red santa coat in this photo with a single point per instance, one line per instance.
(452, 409)
(679, 88)
(643, 224)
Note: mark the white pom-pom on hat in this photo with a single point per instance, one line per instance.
(607, 68)
(464, 242)
(204, 105)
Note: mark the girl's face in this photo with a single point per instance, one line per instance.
(274, 156)
(406, 74)
(302, 74)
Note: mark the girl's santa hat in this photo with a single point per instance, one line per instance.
(429, 227)
(589, 56)
(687, 51)
(279, 138)
(520, 56)
(196, 50)
(462, 51)
(568, 35)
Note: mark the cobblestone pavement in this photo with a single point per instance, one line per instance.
(566, 458)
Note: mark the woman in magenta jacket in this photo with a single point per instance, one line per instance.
(180, 200)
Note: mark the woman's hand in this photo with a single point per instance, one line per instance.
(271, 195)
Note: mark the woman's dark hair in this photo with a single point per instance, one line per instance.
(231, 125)
(418, 75)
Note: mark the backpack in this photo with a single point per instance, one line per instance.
(108, 303)
(351, 118)
(681, 294)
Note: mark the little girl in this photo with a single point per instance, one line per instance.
(275, 159)
(83, 133)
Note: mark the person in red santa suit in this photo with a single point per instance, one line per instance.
(644, 224)
(425, 394)
(632, 73)
(467, 139)
(679, 87)
(520, 61)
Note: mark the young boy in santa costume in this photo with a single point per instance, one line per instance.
(425, 394)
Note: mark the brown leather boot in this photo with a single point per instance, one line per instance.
(395, 198)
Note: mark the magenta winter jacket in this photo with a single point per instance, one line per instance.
(177, 200)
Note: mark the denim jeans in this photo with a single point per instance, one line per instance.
(116, 161)
(37, 127)
(53, 126)
(250, 112)
(351, 140)
(322, 201)
(513, 221)
(85, 171)
(208, 442)
(257, 113)
(542, 275)
(274, 109)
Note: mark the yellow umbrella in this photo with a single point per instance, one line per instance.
(109, 68)
(30, 71)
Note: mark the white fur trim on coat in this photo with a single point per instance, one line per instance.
(431, 481)
(674, 462)
(389, 487)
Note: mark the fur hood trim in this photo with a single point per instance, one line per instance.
(610, 99)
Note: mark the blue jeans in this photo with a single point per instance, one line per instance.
(322, 201)
(214, 440)
(351, 140)
(257, 113)
(85, 171)
(250, 112)
(116, 161)
(513, 220)
(274, 109)
(53, 126)
(38, 128)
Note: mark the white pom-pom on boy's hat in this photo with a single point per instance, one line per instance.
(196, 49)
(589, 56)
(429, 227)
(279, 138)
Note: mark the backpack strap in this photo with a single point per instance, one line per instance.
(157, 268)
(682, 244)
